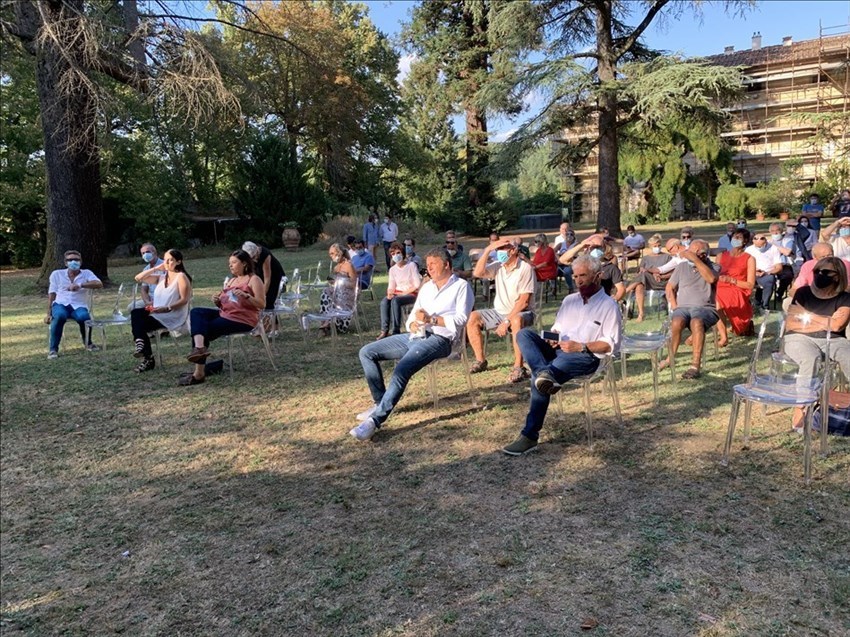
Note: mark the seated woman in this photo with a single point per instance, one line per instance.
(646, 280)
(340, 293)
(823, 305)
(401, 291)
(734, 286)
(169, 308)
(544, 261)
(239, 305)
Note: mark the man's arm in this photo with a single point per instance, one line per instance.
(51, 297)
(706, 272)
(92, 284)
(481, 270)
(670, 293)
(826, 233)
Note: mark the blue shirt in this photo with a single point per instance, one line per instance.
(360, 262)
(814, 222)
(370, 234)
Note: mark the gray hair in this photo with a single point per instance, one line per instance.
(251, 248)
(148, 245)
(541, 238)
(656, 239)
(591, 263)
(439, 253)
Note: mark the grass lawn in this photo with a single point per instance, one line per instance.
(131, 505)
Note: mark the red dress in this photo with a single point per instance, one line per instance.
(549, 270)
(734, 300)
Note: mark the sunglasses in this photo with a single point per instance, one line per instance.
(686, 236)
(824, 271)
(69, 259)
(759, 239)
(451, 243)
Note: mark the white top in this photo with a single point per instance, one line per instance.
(636, 242)
(388, 232)
(767, 260)
(404, 277)
(59, 282)
(671, 264)
(597, 320)
(158, 273)
(167, 296)
(840, 247)
(453, 302)
(510, 284)
(559, 240)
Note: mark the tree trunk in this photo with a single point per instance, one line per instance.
(609, 168)
(478, 188)
(72, 162)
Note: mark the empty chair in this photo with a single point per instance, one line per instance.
(115, 318)
(605, 374)
(650, 342)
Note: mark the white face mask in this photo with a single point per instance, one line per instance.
(656, 249)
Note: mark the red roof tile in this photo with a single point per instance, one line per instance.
(797, 51)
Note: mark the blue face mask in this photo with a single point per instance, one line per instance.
(844, 232)
(736, 243)
(656, 249)
(408, 250)
(596, 253)
(686, 242)
(74, 265)
(397, 258)
(502, 256)
(361, 252)
(147, 257)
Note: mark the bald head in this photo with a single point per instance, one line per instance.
(699, 246)
(672, 245)
(822, 250)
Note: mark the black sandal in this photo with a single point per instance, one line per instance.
(185, 381)
(146, 365)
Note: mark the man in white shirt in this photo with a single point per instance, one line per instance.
(768, 265)
(67, 297)
(563, 234)
(589, 325)
(512, 305)
(151, 258)
(633, 243)
(673, 247)
(436, 321)
(837, 234)
(388, 233)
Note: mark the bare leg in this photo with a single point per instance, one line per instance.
(698, 336)
(474, 335)
(723, 334)
(516, 326)
(676, 328)
(640, 289)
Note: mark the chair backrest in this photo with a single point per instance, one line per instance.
(116, 308)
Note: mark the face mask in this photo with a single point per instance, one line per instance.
(452, 252)
(686, 243)
(741, 226)
(361, 252)
(656, 249)
(844, 232)
(397, 258)
(824, 280)
(502, 256)
(387, 221)
(74, 265)
(147, 257)
(335, 259)
(790, 230)
(631, 234)
(596, 253)
(776, 237)
(736, 243)
(588, 290)
(408, 250)
(804, 223)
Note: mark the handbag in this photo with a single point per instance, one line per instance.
(838, 414)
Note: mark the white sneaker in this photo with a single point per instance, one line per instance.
(363, 415)
(365, 430)
(52, 354)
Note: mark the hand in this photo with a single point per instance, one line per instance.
(422, 316)
(48, 319)
(569, 346)
(216, 298)
(73, 287)
(687, 254)
(657, 277)
(502, 329)
(390, 295)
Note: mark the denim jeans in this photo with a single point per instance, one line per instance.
(562, 365)
(412, 355)
(766, 283)
(60, 314)
(391, 311)
(566, 271)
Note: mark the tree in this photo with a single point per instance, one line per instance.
(83, 50)
(588, 43)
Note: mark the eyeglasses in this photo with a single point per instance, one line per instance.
(451, 243)
(686, 236)
(69, 259)
(758, 239)
(825, 271)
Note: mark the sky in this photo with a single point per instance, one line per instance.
(690, 36)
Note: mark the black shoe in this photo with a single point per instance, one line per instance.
(546, 383)
(146, 365)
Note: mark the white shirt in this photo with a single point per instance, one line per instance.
(59, 282)
(404, 277)
(840, 247)
(453, 302)
(510, 284)
(597, 320)
(671, 264)
(636, 242)
(388, 231)
(767, 260)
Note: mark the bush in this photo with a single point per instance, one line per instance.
(731, 201)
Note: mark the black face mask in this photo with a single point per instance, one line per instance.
(824, 280)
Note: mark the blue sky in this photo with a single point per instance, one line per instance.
(689, 35)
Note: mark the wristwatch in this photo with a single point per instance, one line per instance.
(584, 349)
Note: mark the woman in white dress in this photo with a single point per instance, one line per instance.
(170, 307)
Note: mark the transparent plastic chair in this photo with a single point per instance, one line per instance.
(651, 343)
(117, 317)
(604, 373)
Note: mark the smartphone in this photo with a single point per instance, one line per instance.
(546, 335)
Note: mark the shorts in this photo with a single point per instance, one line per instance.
(707, 315)
(492, 319)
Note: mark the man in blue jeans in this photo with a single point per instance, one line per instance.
(589, 325)
(437, 320)
(67, 298)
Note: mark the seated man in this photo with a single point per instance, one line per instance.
(151, 258)
(410, 253)
(646, 279)
(511, 307)
(611, 277)
(67, 297)
(633, 243)
(724, 243)
(461, 265)
(437, 319)
(363, 263)
(690, 295)
(590, 326)
(768, 265)
(564, 242)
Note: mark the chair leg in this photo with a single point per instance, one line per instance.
(615, 396)
(265, 338)
(432, 383)
(730, 431)
(654, 359)
(807, 442)
(748, 411)
(465, 363)
(230, 356)
(588, 418)
(623, 366)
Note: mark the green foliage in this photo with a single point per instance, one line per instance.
(732, 201)
(269, 191)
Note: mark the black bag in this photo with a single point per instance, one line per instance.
(839, 414)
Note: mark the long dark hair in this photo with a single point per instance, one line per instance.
(178, 256)
(246, 259)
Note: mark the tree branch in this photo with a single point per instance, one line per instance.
(629, 42)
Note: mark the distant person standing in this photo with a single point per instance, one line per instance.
(371, 236)
(388, 233)
(268, 268)
(813, 211)
(841, 204)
